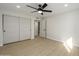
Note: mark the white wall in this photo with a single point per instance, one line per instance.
(32, 28)
(1, 33)
(63, 26)
(76, 28)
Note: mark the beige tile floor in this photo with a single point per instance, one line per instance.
(37, 47)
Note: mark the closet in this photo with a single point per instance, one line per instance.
(15, 28)
(24, 28)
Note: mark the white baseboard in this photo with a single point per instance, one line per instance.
(76, 45)
(1, 44)
(54, 38)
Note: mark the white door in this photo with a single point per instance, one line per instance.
(24, 28)
(43, 28)
(35, 28)
(11, 29)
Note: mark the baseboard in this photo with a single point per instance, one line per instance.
(75, 45)
(1, 44)
(56, 39)
(16, 41)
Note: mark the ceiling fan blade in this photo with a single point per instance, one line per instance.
(31, 7)
(34, 11)
(47, 10)
(44, 5)
(40, 5)
(41, 13)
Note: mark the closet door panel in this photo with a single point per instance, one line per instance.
(11, 29)
(24, 29)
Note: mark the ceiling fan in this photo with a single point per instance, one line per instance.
(40, 8)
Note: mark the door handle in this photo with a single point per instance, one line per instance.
(4, 31)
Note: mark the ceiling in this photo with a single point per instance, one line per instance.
(55, 7)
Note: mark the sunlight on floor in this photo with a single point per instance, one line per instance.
(68, 44)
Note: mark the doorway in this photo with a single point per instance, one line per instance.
(40, 28)
(36, 28)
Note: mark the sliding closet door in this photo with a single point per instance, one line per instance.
(24, 28)
(11, 29)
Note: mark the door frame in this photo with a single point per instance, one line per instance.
(40, 28)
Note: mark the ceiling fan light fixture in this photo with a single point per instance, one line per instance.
(18, 6)
(66, 5)
(39, 11)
